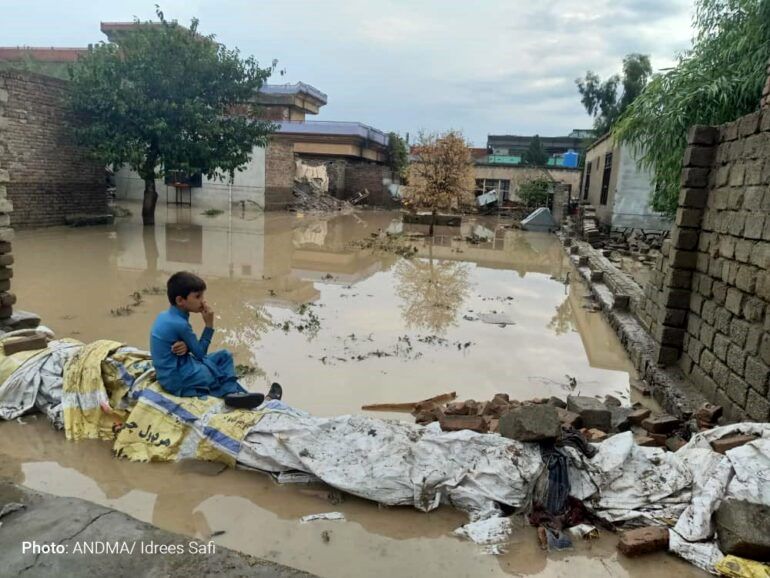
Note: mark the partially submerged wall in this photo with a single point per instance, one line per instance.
(707, 302)
(49, 175)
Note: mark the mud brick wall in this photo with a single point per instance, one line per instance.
(707, 303)
(279, 174)
(49, 175)
(370, 176)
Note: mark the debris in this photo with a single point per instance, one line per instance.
(24, 343)
(428, 218)
(612, 401)
(643, 540)
(321, 202)
(11, 507)
(584, 531)
(530, 423)
(326, 536)
(539, 220)
(460, 422)
(595, 435)
(411, 406)
(86, 220)
(743, 529)
(331, 516)
(661, 424)
(646, 441)
(500, 319)
(593, 412)
(707, 415)
(674, 443)
(569, 418)
(729, 442)
(637, 416)
(736, 567)
(556, 402)
(557, 540)
(619, 418)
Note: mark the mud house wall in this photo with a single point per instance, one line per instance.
(50, 176)
(709, 296)
(279, 174)
(519, 175)
(248, 185)
(596, 156)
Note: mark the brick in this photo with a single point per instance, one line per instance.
(674, 443)
(688, 217)
(463, 422)
(637, 416)
(698, 156)
(757, 407)
(662, 424)
(734, 300)
(721, 346)
(721, 374)
(736, 359)
(703, 135)
(753, 309)
(754, 172)
(754, 226)
(643, 540)
(709, 309)
(737, 175)
(736, 223)
(693, 198)
(685, 239)
(15, 345)
(722, 321)
(729, 131)
(737, 389)
(727, 443)
(743, 250)
(746, 279)
(764, 348)
(757, 375)
(752, 340)
(591, 410)
(749, 124)
(759, 253)
(739, 331)
(696, 178)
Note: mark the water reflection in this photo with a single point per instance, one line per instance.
(431, 291)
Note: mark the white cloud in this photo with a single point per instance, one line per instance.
(484, 66)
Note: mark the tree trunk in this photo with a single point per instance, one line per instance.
(432, 222)
(150, 199)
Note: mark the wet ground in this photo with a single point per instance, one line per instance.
(299, 302)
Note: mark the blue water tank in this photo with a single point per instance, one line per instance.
(571, 159)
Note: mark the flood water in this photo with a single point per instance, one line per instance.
(298, 302)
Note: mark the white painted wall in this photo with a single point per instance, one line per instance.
(248, 185)
(633, 194)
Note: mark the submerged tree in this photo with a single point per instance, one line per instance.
(432, 291)
(604, 101)
(718, 80)
(442, 176)
(162, 97)
(535, 154)
(398, 155)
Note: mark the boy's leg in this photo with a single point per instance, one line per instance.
(222, 366)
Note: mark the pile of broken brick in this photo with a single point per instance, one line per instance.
(543, 419)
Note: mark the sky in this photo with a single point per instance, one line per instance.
(482, 67)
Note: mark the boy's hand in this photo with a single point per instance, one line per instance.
(208, 315)
(179, 348)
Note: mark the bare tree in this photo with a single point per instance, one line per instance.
(441, 178)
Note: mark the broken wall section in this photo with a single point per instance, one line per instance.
(49, 176)
(707, 302)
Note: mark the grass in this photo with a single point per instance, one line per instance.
(212, 212)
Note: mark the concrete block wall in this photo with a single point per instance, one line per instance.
(707, 303)
(279, 174)
(49, 176)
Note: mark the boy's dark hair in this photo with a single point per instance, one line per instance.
(181, 284)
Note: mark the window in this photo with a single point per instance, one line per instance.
(479, 187)
(606, 178)
(587, 181)
(504, 190)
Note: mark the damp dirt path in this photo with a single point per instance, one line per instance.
(298, 301)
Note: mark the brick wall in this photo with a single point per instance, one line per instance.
(49, 175)
(279, 174)
(370, 176)
(707, 301)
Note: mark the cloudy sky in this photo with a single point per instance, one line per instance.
(484, 67)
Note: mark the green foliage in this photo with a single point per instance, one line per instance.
(398, 155)
(535, 154)
(601, 99)
(535, 193)
(718, 80)
(163, 97)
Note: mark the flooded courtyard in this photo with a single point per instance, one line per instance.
(299, 301)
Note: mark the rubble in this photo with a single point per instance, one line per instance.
(662, 424)
(591, 410)
(637, 416)
(643, 540)
(743, 529)
(308, 201)
(729, 442)
(531, 423)
(460, 422)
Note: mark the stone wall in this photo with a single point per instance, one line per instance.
(279, 174)
(49, 175)
(707, 301)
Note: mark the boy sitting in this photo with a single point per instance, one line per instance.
(182, 363)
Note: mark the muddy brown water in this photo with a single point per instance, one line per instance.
(339, 327)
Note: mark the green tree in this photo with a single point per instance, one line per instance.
(164, 97)
(717, 80)
(535, 193)
(398, 155)
(603, 101)
(535, 154)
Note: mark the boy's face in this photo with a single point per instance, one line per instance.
(194, 303)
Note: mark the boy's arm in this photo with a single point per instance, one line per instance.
(198, 347)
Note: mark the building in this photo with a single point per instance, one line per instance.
(506, 179)
(562, 150)
(619, 188)
(47, 61)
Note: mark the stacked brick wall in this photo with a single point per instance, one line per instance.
(49, 175)
(707, 303)
(279, 174)
(369, 176)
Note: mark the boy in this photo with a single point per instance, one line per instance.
(182, 363)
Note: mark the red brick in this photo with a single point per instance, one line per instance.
(460, 422)
(661, 424)
(643, 540)
(729, 442)
(637, 416)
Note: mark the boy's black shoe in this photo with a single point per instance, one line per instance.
(276, 391)
(244, 400)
